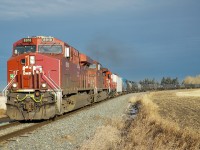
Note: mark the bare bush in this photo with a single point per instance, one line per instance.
(192, 80)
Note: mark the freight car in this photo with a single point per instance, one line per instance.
(191, 86)
(48, 77)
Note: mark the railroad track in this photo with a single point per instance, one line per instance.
(28, 130)
(5, 123)
(12, 124)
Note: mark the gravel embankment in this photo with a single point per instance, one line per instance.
(71, 131)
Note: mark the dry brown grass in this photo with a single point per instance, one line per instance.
(2, 113)
(164, 121)
(106, 137)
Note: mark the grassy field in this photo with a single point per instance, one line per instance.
(166, 120)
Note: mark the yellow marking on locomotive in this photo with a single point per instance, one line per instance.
(32, 97)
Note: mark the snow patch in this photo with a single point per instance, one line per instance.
(3, 101)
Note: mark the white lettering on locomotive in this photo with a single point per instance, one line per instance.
(28, 70)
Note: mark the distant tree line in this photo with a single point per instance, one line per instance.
(164, 81)
(148, 81)
(169, 80)
(167, 83)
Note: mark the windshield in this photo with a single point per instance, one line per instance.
(25, 49)
(50, 49)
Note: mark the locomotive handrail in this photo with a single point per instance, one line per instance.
(53, 83)
(58, 93)
(8, 85)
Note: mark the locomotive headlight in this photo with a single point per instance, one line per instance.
(32, 60)
(14, 86)
(44, 85)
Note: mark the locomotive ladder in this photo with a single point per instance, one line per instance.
(4, 92)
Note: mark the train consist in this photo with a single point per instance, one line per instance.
(48, 77)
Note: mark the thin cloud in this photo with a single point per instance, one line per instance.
(11, 9)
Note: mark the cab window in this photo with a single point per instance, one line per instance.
(56, 49)
(92, 66)
(25, 49)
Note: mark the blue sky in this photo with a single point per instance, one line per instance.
(135, 38)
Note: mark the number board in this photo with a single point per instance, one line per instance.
(47, 39)
(27, 40)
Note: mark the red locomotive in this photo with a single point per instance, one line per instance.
(48, 77)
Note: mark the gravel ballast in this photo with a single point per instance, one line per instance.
(71, 131)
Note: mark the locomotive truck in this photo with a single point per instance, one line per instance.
(47, 77)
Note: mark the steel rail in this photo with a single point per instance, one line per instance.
(9, 125)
